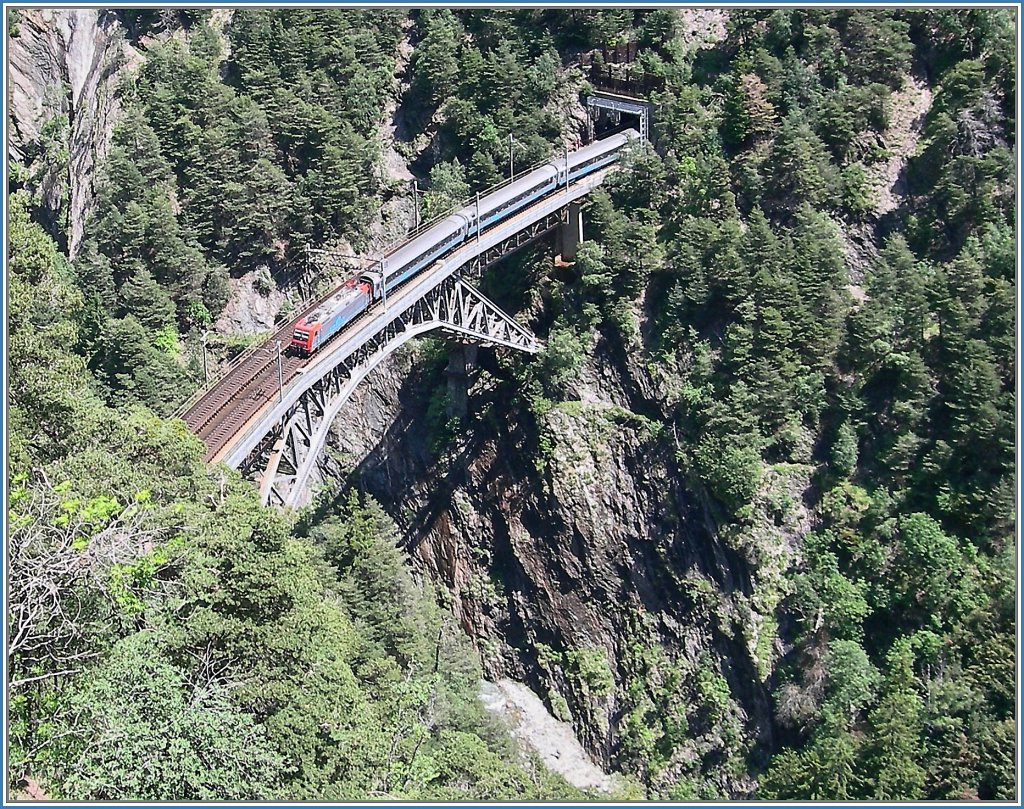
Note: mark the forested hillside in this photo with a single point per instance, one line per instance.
(754, 527)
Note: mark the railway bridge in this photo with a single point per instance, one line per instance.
(269, 413)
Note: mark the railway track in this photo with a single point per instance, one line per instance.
(253, 367)
(245, 388)
(260, 390)
(217, 416)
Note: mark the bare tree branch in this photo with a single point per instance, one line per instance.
(60, 556)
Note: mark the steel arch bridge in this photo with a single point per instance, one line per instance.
(291, 452)
(269, 415)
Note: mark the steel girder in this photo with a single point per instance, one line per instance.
(517, 240)
(292, 455)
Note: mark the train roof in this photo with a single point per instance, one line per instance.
(437, 233)
(598, 147)
(426, 240)
(548, 170)
(514, 189)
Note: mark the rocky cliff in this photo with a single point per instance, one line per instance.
(64, 68)
(578, 558)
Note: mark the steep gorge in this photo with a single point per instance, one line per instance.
(574, 553)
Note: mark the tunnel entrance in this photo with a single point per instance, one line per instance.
(608, 112)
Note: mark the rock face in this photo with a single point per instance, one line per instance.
(702, 26)
(572, 549)
(64, 66)
(253, 306)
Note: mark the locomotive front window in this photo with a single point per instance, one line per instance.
(300, 336)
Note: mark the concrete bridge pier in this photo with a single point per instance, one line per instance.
(570, 234)
(461, 361)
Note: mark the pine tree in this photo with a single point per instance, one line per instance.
(144, 299)
(448, 187)
(800, 167)
(894, 745)
(435, 60)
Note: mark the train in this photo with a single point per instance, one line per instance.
(360, 291)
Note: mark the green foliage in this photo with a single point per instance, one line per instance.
(162, 736)
(896, 727)
(209, 176)
(877, 47)
(562, 357)
(826, 595)
(591, 666)
(448, 189)
(321, 79)
(442, 425)
(134, 366)
(219, 651)
(49, 389)
(844, 451)
(672, 706)
(262, 281)
(435, 61)
(857, 193)
(853, 680)
(486, 86)
(47, 167)
(799, 166)
(595, 274)
(730, 468)
(275, 666)
(903, 395)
